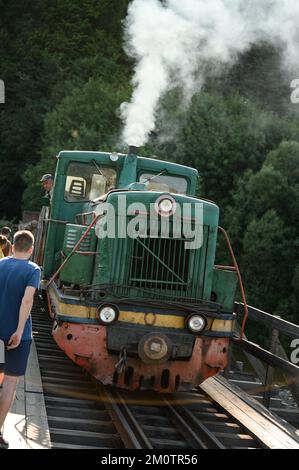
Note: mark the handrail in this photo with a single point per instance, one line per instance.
(276, 358)
(236, 268)
(283, 326)
(56, 221)
(268, 357)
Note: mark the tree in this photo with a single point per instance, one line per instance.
(223, 137)
(86, 119)
(47, 47)
(263, 222)
(268, 262)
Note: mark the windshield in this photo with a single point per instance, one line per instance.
(85, 182)
(159, 182)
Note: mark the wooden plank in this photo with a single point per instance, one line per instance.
(26, 426)
(37, 430)
(15, 423)
(33, 382)
(18, 405)
(283, 326)
(274, 432)
(268, 357)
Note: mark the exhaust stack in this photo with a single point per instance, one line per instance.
(133, 150)
(129, 171)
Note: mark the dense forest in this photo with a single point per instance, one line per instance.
(66, 73)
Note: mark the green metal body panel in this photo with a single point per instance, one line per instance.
(79, 269)
(62, 210)
(115, 261)
(140, 268)
(224, 287)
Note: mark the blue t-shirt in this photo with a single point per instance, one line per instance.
(15, 276)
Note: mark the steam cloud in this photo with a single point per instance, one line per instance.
(171, 42)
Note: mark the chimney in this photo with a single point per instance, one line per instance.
(133, 150)
(129, 171)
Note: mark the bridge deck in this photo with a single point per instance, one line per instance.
(27, 424)
(273, 431)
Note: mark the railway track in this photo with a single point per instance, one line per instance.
(84, 414)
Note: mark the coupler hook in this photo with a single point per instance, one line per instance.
(121, 365)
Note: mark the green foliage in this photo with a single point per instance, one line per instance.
(267, 239)
(222, 137)
(267, 189)
(263, 221)
(285, 159)
(47, 48)
(259, 76)
(86, 119)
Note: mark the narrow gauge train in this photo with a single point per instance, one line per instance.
(135, 312)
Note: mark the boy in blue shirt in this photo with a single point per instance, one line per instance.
(19, 278)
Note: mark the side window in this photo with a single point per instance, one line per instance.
(85, 182)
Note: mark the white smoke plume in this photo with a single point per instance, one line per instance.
(171, 42)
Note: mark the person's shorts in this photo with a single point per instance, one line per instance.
(15, 360)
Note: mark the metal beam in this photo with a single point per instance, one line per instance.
(268, 357)
(283, 326)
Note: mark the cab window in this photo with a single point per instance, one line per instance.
(85, 182)
(168, 183)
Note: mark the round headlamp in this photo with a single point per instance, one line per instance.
(107, 314)
(196, 323)
(165, 205)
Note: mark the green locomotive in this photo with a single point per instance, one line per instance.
(148, 310)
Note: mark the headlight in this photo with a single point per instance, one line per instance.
(107, 314)
(165, 205)
(196, 323)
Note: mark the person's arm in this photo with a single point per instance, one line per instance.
(25, 310)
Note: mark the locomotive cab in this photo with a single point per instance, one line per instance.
(128, 266)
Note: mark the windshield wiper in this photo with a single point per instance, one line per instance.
(154, 176)
(98, 168)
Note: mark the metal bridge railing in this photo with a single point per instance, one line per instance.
(275, 358)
